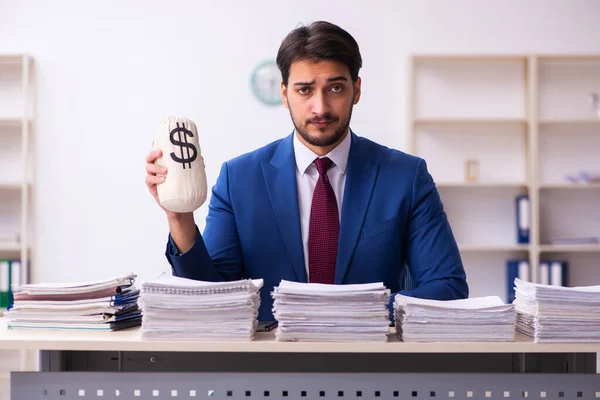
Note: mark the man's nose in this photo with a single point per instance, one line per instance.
(320, 104)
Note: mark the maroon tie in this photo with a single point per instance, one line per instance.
(324, 228)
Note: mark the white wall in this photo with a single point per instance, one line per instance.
(109, 71)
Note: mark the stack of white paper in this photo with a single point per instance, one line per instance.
(320, 312)
(478, 319)
(548, 313)
(177, 308)
(104, 305)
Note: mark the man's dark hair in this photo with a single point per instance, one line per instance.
(319, 41)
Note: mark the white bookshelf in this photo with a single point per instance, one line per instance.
(529, 122)
(16, 152)
(16, 174)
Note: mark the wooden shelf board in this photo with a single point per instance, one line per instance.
(11, 59)
(568, 57)
(570, 186)
(566, 121)
(570, 248)
(468, 121)
(6, 122)
(481, 185)
(492, 248)
(9, 246)
(10, 186)
(470, 57)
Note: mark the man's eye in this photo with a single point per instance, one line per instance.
(303, 90)
(337, 88)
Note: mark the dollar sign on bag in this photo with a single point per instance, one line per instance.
(183, 144)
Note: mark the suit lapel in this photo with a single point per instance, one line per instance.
(280, 178)
(360, 181)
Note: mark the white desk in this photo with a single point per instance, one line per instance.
(130, 340)
(121, 362)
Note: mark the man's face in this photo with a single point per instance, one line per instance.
(320, 96)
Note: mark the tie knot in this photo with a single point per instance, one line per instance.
(323, 164)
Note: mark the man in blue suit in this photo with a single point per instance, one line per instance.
(322, 204)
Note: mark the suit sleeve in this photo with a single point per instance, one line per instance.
(216, 254)
(432, 253)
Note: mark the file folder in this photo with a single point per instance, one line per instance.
(15, 279)
(558, 273)
(523, 218)
(518, 268)
(4, 283)
(544, 275)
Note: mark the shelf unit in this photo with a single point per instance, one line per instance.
(528, 121)
(17, 173)
(16, 150)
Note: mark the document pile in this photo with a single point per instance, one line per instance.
(548, 313)
(320, 312)
(177, 308)
(104, 305)
(478, 319)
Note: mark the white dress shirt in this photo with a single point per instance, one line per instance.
(307, 176)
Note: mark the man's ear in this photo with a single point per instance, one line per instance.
(356, 90)
(284, 94)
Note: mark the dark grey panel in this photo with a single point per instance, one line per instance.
(300, 386)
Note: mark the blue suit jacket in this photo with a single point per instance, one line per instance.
(391, 217)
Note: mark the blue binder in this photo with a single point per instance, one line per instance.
(523, 211)
(544, 272)
(4, 283)
(516, 268)
(558, 272)
(15, 278)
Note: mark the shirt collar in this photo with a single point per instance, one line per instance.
(305, 156)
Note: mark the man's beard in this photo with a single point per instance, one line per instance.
(321, 140)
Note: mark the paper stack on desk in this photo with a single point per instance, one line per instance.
(549, 314)
(478, 319)
(320, 312)
(177, 308)
(104, 305)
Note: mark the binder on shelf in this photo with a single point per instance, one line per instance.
(523, 218)
(4, 283)
(15, 279)
(553, 272)
(544, 272)
(516, 268)
(558, 272)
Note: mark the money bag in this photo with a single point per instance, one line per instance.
(184, 189)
